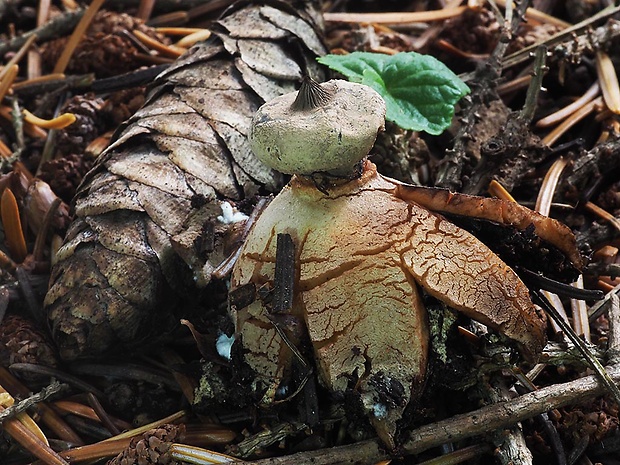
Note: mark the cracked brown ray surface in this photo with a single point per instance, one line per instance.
(497, 210)
(455, 267)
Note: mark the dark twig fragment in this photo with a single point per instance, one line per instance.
(102, 414)
(58, 374)
(559, 288)
(127, 371)
(284, 274)
(136, 78)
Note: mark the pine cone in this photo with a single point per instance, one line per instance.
(65, 174)
(400, 154)
(75, 138)
(151, 447)
(140, 402)
(473, 31)
(530, 35)
(21, 342)
(123, 104)
(106, 49)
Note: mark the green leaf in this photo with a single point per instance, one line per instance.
(419, 91)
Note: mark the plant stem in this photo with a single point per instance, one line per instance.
(483, 83)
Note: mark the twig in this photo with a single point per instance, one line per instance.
(284, 274)
(613, 315)
(510, 442)
(52, 83)
(540, 16)
(361, 453)
(594, 363)
(18, 56)
(612, 270)
(59, 374)
(562, 289)
(102, 414)
(529, 107)
(128, 371)
(265, 438)
(596, 164)
(55, 27)
(511, 152)
(565, 35)
(507, 413)
(458, 427)
(25, 404)
(602, 306)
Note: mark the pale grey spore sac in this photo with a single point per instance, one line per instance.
(138, 241)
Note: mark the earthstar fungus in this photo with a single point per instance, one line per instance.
(363, 250)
